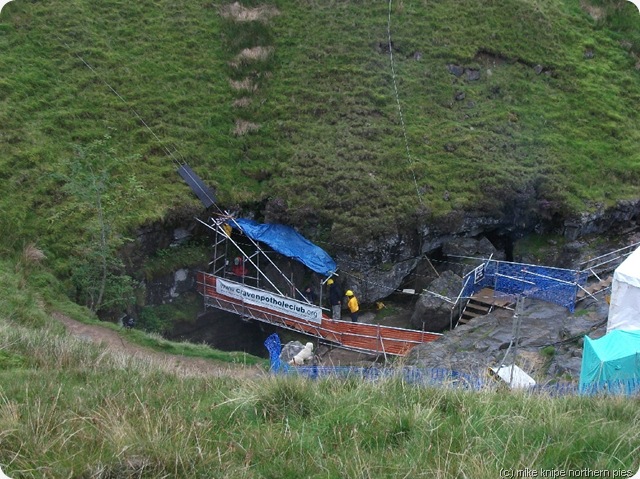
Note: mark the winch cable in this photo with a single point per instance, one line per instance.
(191, 178)
(400, 114)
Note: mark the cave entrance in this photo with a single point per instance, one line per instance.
(223, 331)
(502, 241)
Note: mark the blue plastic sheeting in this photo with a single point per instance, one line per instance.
(272, 343)
(441, 377)
(287, 241)
(615, 357)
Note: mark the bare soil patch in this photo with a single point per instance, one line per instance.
(181, 365)
(240, 13)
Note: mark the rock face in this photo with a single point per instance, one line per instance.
(384, 265)
(549, 344)
(378, 268)
(467, 234)
(471, 247)
(167, 288)
(432, 312)
(625, 214)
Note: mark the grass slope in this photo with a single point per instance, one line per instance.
(70, 409)
(561, 140)
(310, 130)
(307, 129)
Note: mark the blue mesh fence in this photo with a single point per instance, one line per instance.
(440, 377)
(469, 287)
(425, 377)
(626, 387)
(554, 285)
(272, 343)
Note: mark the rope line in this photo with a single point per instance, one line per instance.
(180, 162)
(115, 92)
(397, 95)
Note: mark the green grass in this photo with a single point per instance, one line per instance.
(70, 410)
(30, 295)
(329, 143)
(328, 148)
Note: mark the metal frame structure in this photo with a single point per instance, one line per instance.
(361, 337)
(224, 237)
(607, 262)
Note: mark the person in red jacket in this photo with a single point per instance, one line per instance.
(239, 269)
(353, 306)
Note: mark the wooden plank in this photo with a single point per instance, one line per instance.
(482, 308)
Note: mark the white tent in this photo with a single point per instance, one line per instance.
(624, 309)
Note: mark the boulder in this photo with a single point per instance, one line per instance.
(469, 247)
(289, 350)
(432, 312)
(473, 74)
(455, 70)
(381, 266)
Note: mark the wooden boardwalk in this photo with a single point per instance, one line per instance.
(594, 288)
(361, 337)
(483, 302)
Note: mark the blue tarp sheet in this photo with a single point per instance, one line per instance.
(287, 241)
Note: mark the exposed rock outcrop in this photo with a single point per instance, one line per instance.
(624, 215)
(549, 341)
(433, 311)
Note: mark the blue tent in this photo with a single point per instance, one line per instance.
(611, 362)
(287, 241)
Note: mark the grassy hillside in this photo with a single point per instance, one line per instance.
(562, 139)
(289, 108)
(296, 110)
(70, 409)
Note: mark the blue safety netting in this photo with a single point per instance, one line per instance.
(469, 287)
(554, 285)
(617, 387)
(440, 377)
(287, 241)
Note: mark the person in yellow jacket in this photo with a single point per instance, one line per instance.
(353, 306)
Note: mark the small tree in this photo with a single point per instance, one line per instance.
(98, 273)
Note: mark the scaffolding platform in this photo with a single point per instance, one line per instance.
(284, 312)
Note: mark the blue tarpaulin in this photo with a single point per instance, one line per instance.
(287, 241)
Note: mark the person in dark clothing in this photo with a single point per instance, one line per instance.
(335, 299)
(309, 295)
(128, 322)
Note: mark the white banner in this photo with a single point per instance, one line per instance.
(268, 300)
